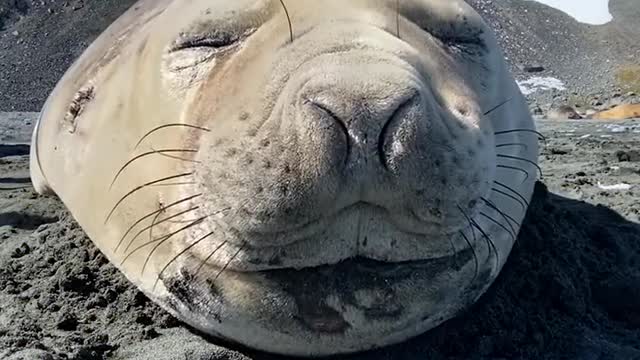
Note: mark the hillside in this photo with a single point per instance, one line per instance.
(40, 39)
(590, 60)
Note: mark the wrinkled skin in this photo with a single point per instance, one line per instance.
(345, 186)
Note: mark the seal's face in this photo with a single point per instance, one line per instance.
(341, 186)
(340, 168)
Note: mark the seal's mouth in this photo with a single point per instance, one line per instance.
(381, 268)
(362, 233)
(406, 220)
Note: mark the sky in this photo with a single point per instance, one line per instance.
(595, 12)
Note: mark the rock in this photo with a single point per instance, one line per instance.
(536, 110)
(21, 251)
(533, 68)
(67, 322)
(630, 155)
(177, 344)
(31, 354)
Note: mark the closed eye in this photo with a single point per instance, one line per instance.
(213, 40)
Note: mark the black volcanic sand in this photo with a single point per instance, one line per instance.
(570, 288)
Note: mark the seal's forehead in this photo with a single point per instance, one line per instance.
(222, 19)
(310, 9)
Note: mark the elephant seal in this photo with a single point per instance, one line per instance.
(563, 112)
(299, 177)
(620, 112)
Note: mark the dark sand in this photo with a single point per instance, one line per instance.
(570, 289)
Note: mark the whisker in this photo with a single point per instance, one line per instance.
(475, 240)
(145, 155)
(489, 241)
(473, 251)
(526, 173)
(160, 238)
(524, 146)
(542, 137)
(178, 255)
(177, 157)
(509, 196)
(505, 216)
(473, 232)
(398, 19)
(204, 261)
(146, 261)
(522, 159)
(153, 223)
(190, 220)
(511, 190)
(136, 189)
(497, 107)
(166, 126)
(455, 253)
(180, 221)
(133, 239)
(513, 236)
(286, 12)
(229, 262)
(152, 214)
(162, 241)
(175, 184)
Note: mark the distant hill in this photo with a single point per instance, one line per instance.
(589, 59)
(40, 39)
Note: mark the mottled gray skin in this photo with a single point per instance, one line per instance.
(342, 187)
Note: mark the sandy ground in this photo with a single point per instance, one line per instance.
(570, 289)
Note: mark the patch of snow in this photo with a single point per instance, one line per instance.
(585, 136)
(621, 186)
(537, 83)
(593, 12)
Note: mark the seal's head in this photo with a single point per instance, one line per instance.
(306, 177)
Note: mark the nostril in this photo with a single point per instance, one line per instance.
(397, 113)
(338, 120)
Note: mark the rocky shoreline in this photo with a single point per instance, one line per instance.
(568, 290)
(561, 105)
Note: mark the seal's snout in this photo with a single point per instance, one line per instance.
(362, 106)
(356, 128)
(365, 124)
